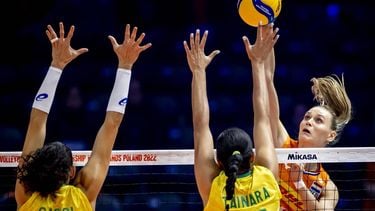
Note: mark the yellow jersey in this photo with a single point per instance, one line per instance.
(256, 190)
(68, 198)
(315, 182)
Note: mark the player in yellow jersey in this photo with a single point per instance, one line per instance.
(308, 186)
(238, 179)
(46, 177)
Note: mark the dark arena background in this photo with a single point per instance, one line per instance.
(317, 38)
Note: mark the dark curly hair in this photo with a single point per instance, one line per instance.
(46, 169)
(234, 149)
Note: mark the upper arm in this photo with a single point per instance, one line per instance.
(205, 167)
(93, 174)
(330, 198)
(36, 131)
(265, 154)
(282, 135)
(35, 136)
(327, 201)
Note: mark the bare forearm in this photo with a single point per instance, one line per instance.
(272, 94)
(200, 108)
(259, 91)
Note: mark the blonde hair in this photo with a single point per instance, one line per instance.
(330, 93)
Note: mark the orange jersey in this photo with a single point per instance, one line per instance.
(315, 181)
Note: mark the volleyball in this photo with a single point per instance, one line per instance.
(254, 11)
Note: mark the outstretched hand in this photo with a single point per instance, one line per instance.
(265, 41)
(129, 50)
(62, 52)
(196, 57)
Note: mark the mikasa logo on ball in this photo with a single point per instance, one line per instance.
(252, 12)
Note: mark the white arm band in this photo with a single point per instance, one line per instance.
(44, 97)
(119, 95)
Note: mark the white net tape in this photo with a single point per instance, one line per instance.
(186, 156)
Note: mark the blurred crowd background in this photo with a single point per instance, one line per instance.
(317, 38)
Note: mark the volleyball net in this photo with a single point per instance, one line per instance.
(164, 179)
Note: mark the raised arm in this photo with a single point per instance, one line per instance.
(205, 167)
(263, 133)
(280, 133)
(62, 54)
(93, 174)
